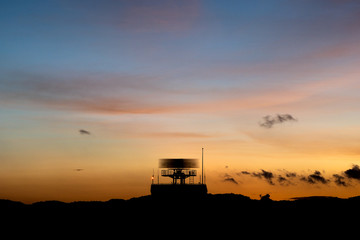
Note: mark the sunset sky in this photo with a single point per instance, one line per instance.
(94, 93)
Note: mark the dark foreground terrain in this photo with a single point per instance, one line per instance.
(213, 213)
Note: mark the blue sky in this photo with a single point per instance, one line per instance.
(171, 77)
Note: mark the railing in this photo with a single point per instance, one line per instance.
(178, 172)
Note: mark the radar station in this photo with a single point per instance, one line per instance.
(183, 173)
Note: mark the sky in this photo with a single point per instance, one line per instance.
(93, 93)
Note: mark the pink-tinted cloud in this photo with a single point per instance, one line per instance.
(119, 94)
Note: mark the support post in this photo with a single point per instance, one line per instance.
(202, 165)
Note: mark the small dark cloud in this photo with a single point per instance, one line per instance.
(353, 173)
(84, 132)
(230, 179)
(283, 180)
(291, 174)
(268, 121)
(78, 169)
(244, 172)
(340, 180)
(314, 178)
(264, 174)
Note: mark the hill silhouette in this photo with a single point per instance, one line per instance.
(222, 211)
(209, 203)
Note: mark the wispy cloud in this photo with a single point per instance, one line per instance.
(84, 132)
(146, 93)
(114, 94)
(269, 121)
(230, 179)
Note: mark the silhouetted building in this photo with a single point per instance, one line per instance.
(183, 174)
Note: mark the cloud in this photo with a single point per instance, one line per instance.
(281, 179)
(228, 178)
(264, 174)
(284, 181)
(340, 180)
(286, 178)
(141, 93)
(268, 121)
(290, 174)
(268, 176)
(353, 173)
(314, 178)
(96, 93)
(84, 132)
